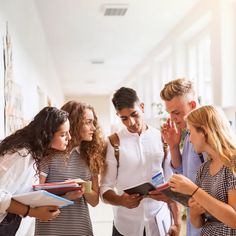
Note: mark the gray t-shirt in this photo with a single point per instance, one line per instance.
(74, 219)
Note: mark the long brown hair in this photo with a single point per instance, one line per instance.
(37, 135)
(93, 152)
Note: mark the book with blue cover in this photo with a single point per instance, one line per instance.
(42, 198)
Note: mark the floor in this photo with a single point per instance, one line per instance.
(102, 216)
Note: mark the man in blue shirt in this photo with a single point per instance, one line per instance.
(180, 98)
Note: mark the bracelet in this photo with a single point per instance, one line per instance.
(195, 191)
(27, 212)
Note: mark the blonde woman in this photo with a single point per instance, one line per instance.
(212, 205)
(85, 160)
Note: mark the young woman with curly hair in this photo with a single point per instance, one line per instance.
(20, 156)
(85, 160)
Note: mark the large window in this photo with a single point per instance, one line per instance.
(199, 66)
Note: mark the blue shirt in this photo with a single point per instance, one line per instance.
(190, 164)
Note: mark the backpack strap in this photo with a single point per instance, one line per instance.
(115, 142)
(165, 150)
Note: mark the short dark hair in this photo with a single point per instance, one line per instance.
(125, 98)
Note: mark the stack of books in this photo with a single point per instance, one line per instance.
(58, 188)
(49, 194)
(61, 188)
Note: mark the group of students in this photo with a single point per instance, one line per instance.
(67, 143)
(57, 145)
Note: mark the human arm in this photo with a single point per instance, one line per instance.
(224, 212)
(176, 213)
(125, 200)
(172, 136)
(196, 213)
(108, 184)
(43, 213)
(93, 197)
(16, 175)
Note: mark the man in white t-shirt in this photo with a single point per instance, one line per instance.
(140, 158)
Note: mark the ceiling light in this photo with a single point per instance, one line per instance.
(97, 61)
(114, 9)
(90, 82)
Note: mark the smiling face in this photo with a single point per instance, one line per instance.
(178, 108)
(132, 118)
(61, 137)
(87, 130)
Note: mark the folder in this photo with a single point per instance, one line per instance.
(42, 198)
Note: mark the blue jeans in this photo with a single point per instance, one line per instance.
(10, 225)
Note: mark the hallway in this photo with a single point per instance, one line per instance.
(102, 216)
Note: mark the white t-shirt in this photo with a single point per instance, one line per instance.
(17, 175)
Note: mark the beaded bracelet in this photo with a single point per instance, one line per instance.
(27, 212)
(195, 191)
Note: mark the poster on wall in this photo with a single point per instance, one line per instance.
(2, 30)
(13, 115)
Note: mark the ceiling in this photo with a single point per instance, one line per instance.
(94, 53)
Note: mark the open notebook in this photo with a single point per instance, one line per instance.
(41, 198)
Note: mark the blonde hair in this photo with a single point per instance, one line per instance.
(214, 124)
(177, 88)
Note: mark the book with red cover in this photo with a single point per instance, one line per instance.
(58, 188)
(179, 197)
(161, 185)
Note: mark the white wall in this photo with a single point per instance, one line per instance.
(1, 90)
(32, 64)
(216, 17)
(102, 108)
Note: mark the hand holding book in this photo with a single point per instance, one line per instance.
(61, 188)
(41, 198)
(58, 188)
(158, 185)
(164, 187)
(179, 197)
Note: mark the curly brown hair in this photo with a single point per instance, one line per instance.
(37, 135)
(93, 152)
